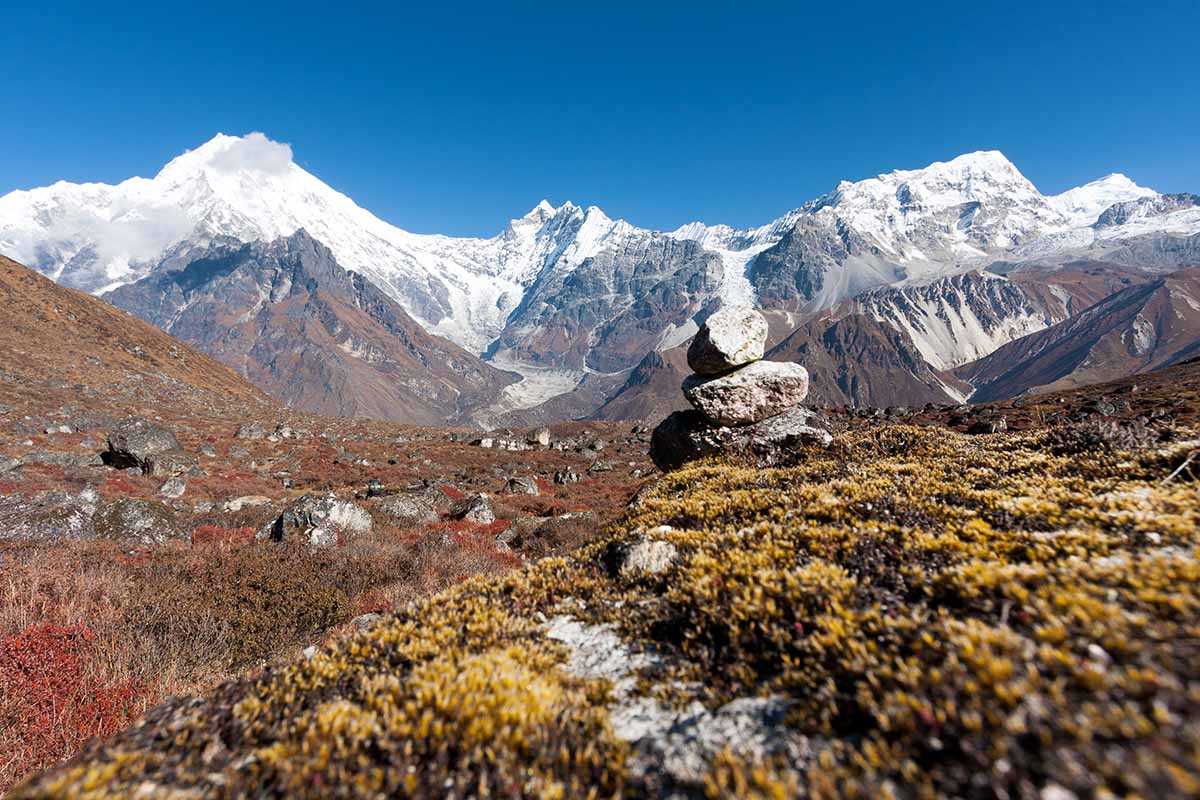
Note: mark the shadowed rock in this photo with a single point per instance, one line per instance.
(686, 436)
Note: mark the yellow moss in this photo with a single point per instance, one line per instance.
(948, 616)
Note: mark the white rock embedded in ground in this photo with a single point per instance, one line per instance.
(748, 395)
(728, 339)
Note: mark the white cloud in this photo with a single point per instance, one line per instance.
(254, 152)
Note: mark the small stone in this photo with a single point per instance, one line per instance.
(565, 476)
(174, 487)
(728, 339)
(245, 501)
(748, 395)
(648, 557)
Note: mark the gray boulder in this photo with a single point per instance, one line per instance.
(49, 515)
(686, 436)
(523, 485)
(173, 487)
(728, 339)
(748, 395)
(318, 521)
(170, 464)
(409, 508)
(132, 443)
(140, 522)
(476, 508)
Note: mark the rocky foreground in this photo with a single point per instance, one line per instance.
(906, 612)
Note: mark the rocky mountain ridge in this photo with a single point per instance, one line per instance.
(565, 293)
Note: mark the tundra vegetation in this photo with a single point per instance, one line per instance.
(1012, 615)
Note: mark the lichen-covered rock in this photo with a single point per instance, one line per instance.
(170, 464)
(686, 436)
(140, 522)
(49, 515)
(521, 485)
(134, 441)
(409, 508)
(728, 339)
(318, 521)
(748, 395)
(477, 508)
(173, 488)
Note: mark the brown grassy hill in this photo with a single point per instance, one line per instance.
(1138, 329)
(53, 336)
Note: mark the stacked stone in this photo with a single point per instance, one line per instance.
(742, 403)
(732, 385)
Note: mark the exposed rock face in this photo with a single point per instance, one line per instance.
(1144, 327)
(749, 394)
(141, 522)
(686, 436)
(49, 515)
(292, 320)
(728, 339)
(134, 441)
(318, 521)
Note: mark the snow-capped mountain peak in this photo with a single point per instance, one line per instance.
(1084, 204)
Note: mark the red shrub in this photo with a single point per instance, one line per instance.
(216, 535)
(451, 492)
(50, 701)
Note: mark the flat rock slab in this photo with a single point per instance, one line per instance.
(728, 339)
(686, 436)
(749, 394)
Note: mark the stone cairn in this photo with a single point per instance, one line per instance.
(742, 404)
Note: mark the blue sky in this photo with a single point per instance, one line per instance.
(455, 117)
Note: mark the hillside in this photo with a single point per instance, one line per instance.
(316, 337)
(1138, 329)
(58, 337)
(937, 615)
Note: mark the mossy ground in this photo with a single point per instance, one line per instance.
(948, 616)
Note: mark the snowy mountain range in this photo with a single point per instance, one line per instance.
(564, 292)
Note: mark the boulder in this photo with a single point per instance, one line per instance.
(728, 339)
(49, 515)
(173, 487)
(409, 508)
(132, 443)
(522, 485)
(476, 508)
(686, 436)
(170, 464)
(540, 437)
(140, 522)
(318, 521)
(748, 395)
